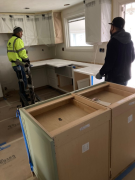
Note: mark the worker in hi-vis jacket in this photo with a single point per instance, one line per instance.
(119, 56)
(17, 53)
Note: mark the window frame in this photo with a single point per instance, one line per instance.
(67, 34)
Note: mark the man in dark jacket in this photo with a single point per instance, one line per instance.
(119, 56)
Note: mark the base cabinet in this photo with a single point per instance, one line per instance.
(68, 138)
(121, 101)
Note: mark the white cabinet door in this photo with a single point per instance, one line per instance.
(43, 29)
(52, 29)
(19, 21)
(7, 22)
(1, 24)
(30, 26)
(97, 17)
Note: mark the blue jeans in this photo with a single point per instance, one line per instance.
(23, 77)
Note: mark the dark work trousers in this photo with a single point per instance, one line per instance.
(121, 83)
(24, 79)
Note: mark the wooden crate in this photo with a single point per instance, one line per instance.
(121, 101)
(68, 138)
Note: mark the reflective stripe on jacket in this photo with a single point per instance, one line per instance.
(16, 50)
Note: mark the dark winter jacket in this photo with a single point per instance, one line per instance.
(120, 55)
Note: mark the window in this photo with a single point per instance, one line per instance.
(75, 38)
(130, 27)
(77, 32)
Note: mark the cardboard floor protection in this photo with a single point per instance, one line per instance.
(14, 163)
(3, 102)
(10, 130)
(13, 97)
(8, 111)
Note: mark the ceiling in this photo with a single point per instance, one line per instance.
(35, 5)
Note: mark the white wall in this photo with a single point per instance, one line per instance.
(7, 75)
(84, 56)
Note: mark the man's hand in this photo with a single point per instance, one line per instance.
(26, 65)
(98, 76)
(26, 61)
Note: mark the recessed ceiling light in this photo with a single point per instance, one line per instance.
(66, 4)
(26, 8)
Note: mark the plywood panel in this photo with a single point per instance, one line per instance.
(63, 115)
(75, 164)
(123, 137)
(106, 96)
(48, 106)
(79, 76)
(119, 92)
(58, 27)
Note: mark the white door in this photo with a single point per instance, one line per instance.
(19, 21)
(43, 29)
(7, 22)
(30, 26)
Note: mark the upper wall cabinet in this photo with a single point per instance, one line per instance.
(27, 23)
(43, 29)
(19, 21)
(49, 28)
(38, 29)
(97, 16)
(30, 30)
(7, 23)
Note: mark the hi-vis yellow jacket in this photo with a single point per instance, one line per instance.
(15, 50)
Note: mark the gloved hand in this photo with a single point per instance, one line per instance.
(26, 65)
(26, 61)
(98, 76)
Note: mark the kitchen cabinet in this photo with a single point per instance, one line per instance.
(30, 28)
(38, 29)
(43, 29)
(68, 138)
(7, 22)
(97, 16)
(19, 21)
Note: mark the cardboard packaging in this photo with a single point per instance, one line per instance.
(10, 130)
(9, 111)
(14, 163)
(121, 101)
(68, 138)
(128, 173)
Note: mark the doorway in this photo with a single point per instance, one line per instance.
(128, 12)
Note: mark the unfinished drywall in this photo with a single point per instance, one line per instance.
(7, 75)
(78, 55)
